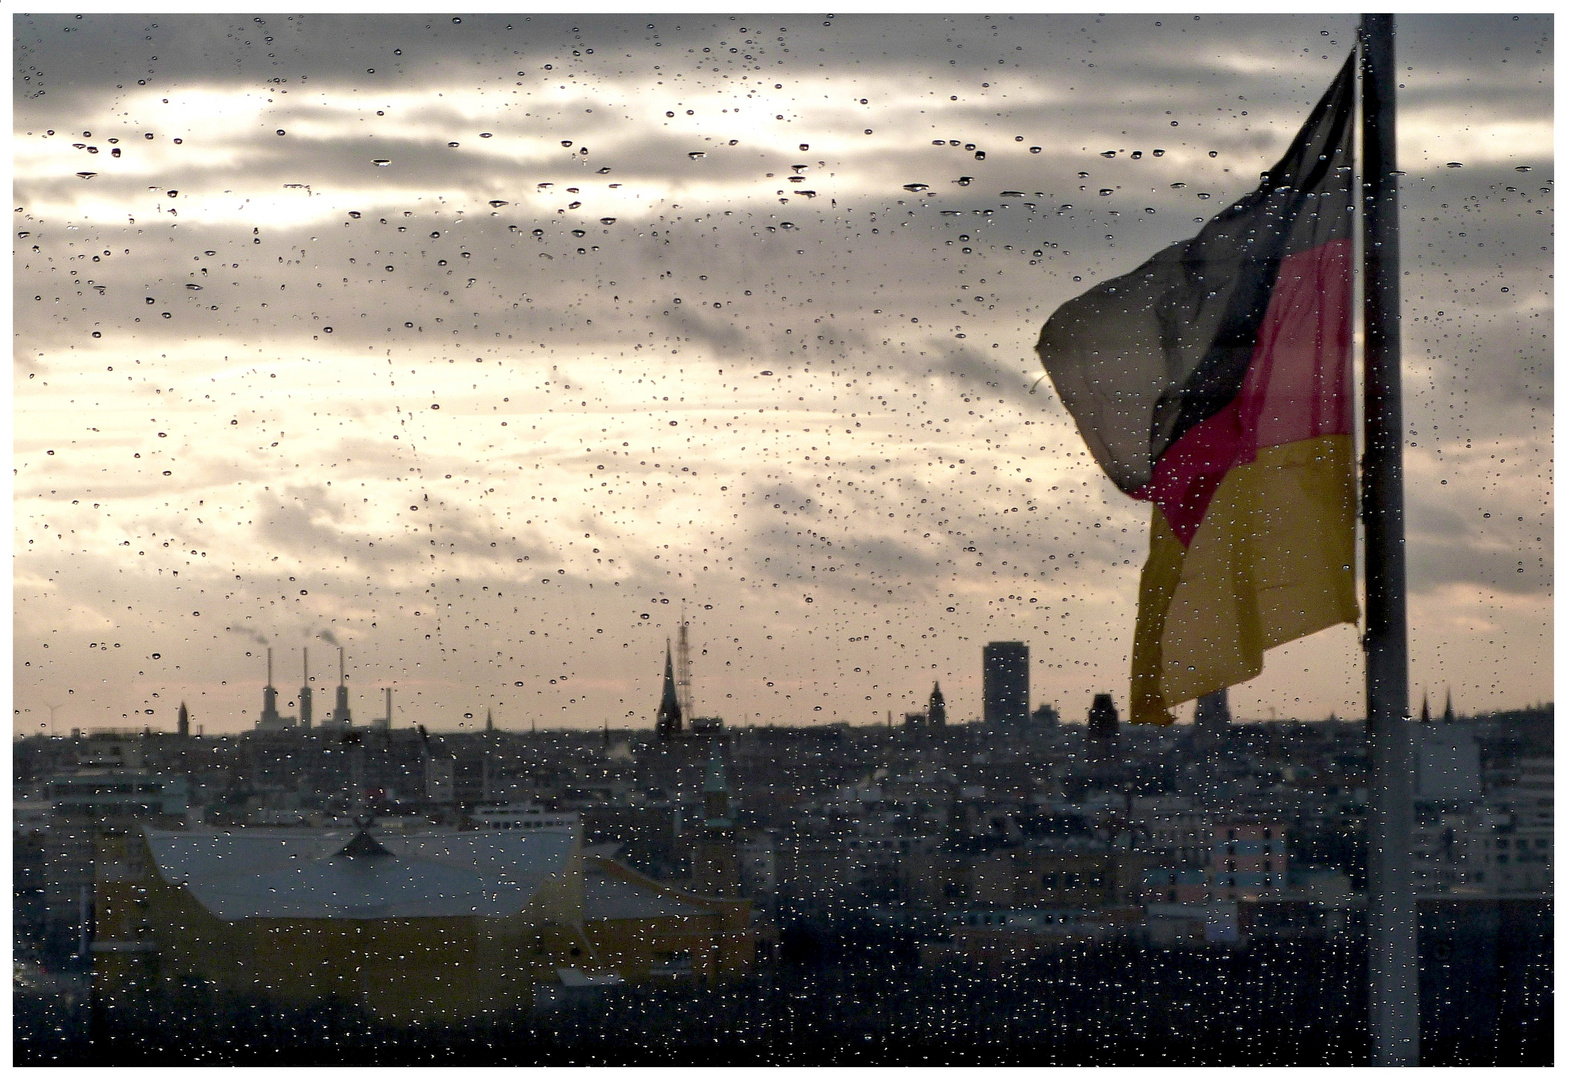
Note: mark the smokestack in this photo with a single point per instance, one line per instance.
(305, 690)
(269, 720)
(341, 701)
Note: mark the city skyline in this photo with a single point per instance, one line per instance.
(571, 325)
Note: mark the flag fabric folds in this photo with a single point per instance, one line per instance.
(1215, 381)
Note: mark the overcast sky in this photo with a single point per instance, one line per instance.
(480, 345)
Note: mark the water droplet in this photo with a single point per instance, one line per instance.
(608, 221)
(914, 187)
(355, 214)
(979, 155)
(1013, 194)
(87, 175)
(1108, 153)
(1157, 153)
(695, 155)
(1105, 191)
(498, 202)
(381, 162)
(1521, 168)
(280, 131)
(194, 287)
(1035, 149)
(1455, 164)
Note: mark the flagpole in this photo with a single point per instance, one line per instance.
(1394, 974)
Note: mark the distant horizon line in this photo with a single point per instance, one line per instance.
(138, 731)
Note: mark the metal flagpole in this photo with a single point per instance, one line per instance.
(1395, 998)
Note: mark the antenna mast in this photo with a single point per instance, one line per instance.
(685, 695)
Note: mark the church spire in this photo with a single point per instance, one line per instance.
(936, 716)
(669, 717)
(1425, 708)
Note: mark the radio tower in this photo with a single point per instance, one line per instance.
(685, 695)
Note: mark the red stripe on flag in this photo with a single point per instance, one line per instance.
(1296, 387)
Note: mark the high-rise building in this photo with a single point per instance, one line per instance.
(1103, 720)
(1005, 683)
(1212, 710)
(183, 722)
(936, 715)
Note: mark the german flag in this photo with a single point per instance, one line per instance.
(1215, 381)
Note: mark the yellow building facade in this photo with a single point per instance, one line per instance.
(432, 924)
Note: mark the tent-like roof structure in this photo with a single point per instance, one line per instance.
(341, 874)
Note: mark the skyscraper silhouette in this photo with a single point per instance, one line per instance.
(1005, 683)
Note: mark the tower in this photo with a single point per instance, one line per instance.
(1447, 712)
(669, 717)
(1005, 683)
(183, 722)
(489, 728)
(341, 700)
(715, 851)
(1425, 708)
(685, 688)
(936, 708)
(305, 690)
(270, 719)
(1212, 710)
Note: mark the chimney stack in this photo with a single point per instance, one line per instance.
(341, 702)
(269, 720)
(305, 690)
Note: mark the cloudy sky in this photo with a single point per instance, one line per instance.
(482, 346)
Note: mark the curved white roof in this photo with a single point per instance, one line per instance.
(303, 873)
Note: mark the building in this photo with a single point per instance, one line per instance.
(1103, 720)
(305, 691)
(269, 719)
(111, 783)
(1005, 683)
(1212, 710)
(715, 870)
(936, 712)
(1249, 859)
(669, 714)
(340, 718)
(428, 924)
(1045, 716)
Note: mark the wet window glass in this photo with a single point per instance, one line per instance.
(623, 539)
